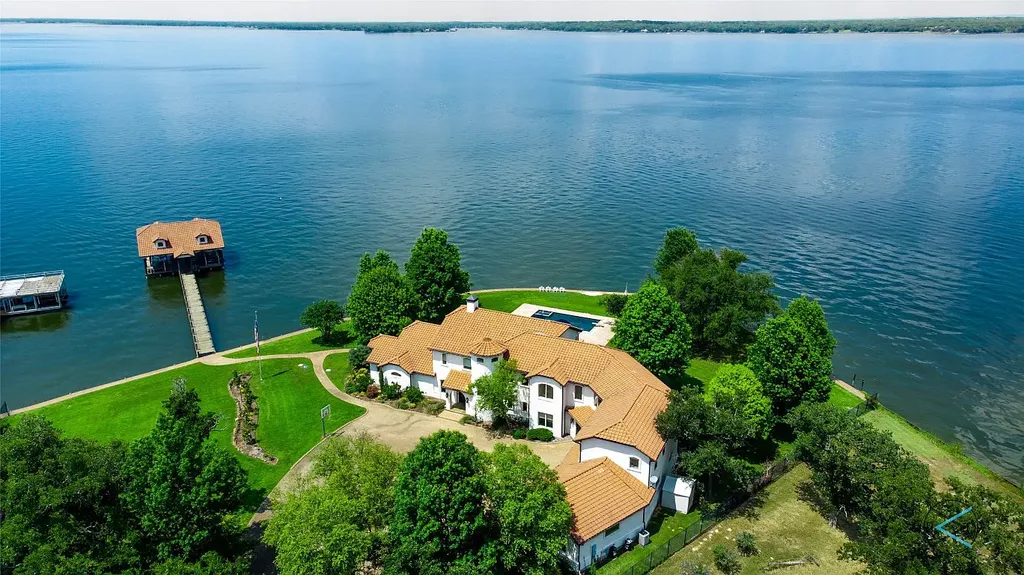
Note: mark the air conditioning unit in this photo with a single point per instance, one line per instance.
(645, 538)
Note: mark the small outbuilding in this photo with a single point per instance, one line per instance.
(181, 247)
(31, 293)
(677, 493)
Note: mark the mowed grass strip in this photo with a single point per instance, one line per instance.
(786, 527)
(665, 524)
(290, 398)
(305, 342)
(842, 398)
(571, 301)
(337, 368)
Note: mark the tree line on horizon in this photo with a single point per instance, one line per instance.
(980, 25)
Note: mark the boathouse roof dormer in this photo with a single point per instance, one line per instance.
(179, 247)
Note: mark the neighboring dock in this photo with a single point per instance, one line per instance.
(201, 337)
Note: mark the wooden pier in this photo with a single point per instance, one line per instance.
(201, 337)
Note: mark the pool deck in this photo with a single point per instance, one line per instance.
(601, 334)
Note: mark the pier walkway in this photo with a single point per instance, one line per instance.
(201, 337)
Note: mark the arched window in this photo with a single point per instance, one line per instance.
(546, 391)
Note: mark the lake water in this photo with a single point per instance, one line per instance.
(883, 174)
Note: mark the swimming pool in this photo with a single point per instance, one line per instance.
(580, 323)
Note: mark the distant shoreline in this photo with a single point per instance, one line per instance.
(982, 25)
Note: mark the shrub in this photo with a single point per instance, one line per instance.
(695, 569)
(613, 302)
(372, 391)
(390, 391)
(519, 433)
(358, 381)
(413, 394)
(467, 419)
(726, 560)
(432, 406)
(747, 544)
(357, 357)
(402, 403)
(540, 434)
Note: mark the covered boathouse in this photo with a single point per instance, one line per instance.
(31, 293)
(181, 247)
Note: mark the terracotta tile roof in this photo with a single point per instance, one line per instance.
(488, 347)
(573, 456)
(180, 236)
(457, 380)
(601, 494)
(461, 331)
(582, 414)
(628, 418)
(408, 351)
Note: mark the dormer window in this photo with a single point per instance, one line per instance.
(161, 244)
(203, 239)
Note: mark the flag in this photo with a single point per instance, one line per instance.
(256, 331)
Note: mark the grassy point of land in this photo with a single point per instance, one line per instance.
(786, 527)
(664, 525)
(290, 398)
(305, 342)
(842, 398)
(337, 368)
(572, 301)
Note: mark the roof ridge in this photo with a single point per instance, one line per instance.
(632, 482)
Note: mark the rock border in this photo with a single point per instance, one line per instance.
(246, 445)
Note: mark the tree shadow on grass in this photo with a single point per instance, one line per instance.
(751, 509)
(684, 381)
(808, 493)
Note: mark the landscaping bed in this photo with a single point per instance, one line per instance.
(247, 418)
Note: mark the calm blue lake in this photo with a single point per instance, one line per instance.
(883, 174)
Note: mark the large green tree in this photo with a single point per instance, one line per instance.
(722, 303)
(180, 485)
(434, 271)
(653, 330)
(323, 315)
(317, 531)
(439, 524)
(739, 381)
(499, 391)
(528, 505)
(789, 363)
(810, 315)
(381, 301)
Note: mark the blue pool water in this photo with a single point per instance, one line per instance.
(581, 323)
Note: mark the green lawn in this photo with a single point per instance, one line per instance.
(665, 525)
(572, 301)
(943, 460)
(337, 368)
(786, 527)
(290, 399)
(842, 398)
(305, 342)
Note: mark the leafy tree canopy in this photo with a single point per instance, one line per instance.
(723, 304)
(740, 382)
(788, 363)
(809, 314)
(499, 391)
(653, 330)
(323, 315)
(434, 271)
(528, 504)
(357, 357)
(365, 470)
(381, 301)
(317, 531)
(180, 485)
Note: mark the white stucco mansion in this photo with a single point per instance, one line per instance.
(600, 397)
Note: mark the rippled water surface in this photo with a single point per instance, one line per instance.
(883, 174)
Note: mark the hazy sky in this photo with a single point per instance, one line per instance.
(498, 10)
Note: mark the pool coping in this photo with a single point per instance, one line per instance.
(600, 335)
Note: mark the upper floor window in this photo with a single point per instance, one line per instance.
(634, 463)
(577, 393)
(466, 363)
(479, 360)
(546, 420)
(203, 239)
(444, 358)
(546, 391)
(494, 360)
(161, 244)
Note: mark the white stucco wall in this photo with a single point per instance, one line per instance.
(589, 397)
(428, 385)
(628, 528)
(393, 374)
(593, 448)
(555, 406)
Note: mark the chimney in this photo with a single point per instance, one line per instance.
(472, 303)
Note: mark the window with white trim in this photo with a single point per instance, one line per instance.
(525, 406)
(577, 393)
(546, 420)
(444, 359)
(161, 244)
(546, 391)
(634, 463)
(203, 239)
(494, 360)
(479, 360)
(467, 363)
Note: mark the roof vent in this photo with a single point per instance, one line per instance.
(472, 303)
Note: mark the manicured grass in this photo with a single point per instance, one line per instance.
(786, 527)
(305, 342)
(336, 366)
(842, 398)
(943, 460)
(289, 396)
(664, 525)
(572, 301)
